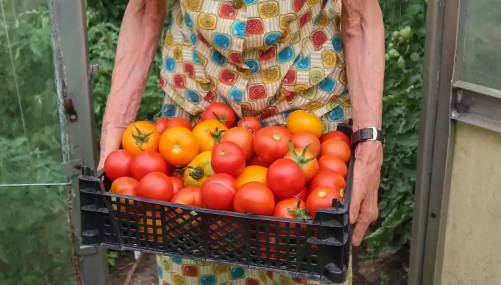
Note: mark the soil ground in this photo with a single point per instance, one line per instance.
(387, 269)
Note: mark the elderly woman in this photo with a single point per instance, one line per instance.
(263, 58)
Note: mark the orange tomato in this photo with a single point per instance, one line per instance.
(208, 133)
(332, 162)
(253, 173)
(140, 136)
(306, 160)
(178, 146)
(336, 147)
(303, 139)
(241, 137)
(303, 121)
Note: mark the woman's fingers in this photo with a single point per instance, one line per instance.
(366, 177)
(368, 213)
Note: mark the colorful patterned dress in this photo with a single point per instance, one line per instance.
(264, 58)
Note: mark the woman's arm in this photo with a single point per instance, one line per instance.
(363, 39)
(137, 44)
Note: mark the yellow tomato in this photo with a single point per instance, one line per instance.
(208, 133)
(253, 173)
(198, 170)
(303, 121)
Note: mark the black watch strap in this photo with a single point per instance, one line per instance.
(367, 134)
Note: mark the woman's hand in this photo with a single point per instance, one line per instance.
(366, 176)
(137, 44)
(363, 38)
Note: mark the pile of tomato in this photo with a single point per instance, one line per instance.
(223, 164)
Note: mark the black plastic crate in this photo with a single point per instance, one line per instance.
(317, 249)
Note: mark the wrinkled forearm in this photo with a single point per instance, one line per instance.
(137, 44)
(363, 39)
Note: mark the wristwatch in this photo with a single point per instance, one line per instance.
(367, 134)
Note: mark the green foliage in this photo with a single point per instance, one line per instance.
(35, 246)
(112, 257)
(405, 38)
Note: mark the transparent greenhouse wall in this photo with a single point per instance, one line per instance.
(35, 243)
(482, 58)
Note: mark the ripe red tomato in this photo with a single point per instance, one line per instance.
(335, 135)
(291, 208)
(271, 143)
(191, 196)
(218, 192)
(117, 164)
(306, 160)
(304, 139)
(254, 198)
(156, 186)
(240, 137)
(285, 179)
(221, 112)
(336, 147)
(321, 198)
(177, 184)
(178, 122)
(161, 124)
(125, 186)
(147, 162)
(256, 160)
(227, 157)
(328, 178)
(252, 124)
(332, 162)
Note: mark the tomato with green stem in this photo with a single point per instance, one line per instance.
(140, 136)
(250, 123)
(292, 208)
(220, 112)
(209, 133)
(198, 170)
(306, 160)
